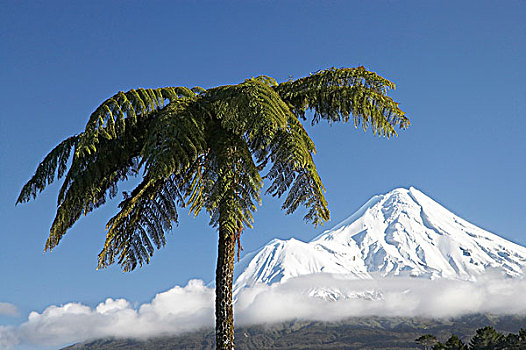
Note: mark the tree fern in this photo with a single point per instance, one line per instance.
(206, 149)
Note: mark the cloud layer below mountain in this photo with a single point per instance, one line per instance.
(187, 308)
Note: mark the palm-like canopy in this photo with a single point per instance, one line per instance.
(206, 149)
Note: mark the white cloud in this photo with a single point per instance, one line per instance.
(174, 311)
(386, 297)
(189, 308)
(8, 337)
(8, 309)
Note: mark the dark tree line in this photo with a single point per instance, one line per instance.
(486, 338)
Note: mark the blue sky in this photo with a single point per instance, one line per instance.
(459, 68)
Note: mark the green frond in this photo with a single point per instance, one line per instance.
(265, 79)
(230, 181)
(251, 109)
(293, 170)
(46, 170)
(141, 224)
(198, 90)
(175, 140)
(91, 179)
(337, 94)
(194, 189)
(107, 121)
(120, 140)
(173, 93)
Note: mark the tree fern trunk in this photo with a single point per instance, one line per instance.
(224, 280)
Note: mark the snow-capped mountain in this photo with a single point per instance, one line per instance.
(401, 233)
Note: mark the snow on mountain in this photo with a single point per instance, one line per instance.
(401, 233)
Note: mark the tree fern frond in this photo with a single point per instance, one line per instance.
(251, 109)
(336, 94)
(231, 182)
(141, 224)
(107, 120)
(46, 170)
(92, 178)
(198, 90)
(175, 140)
(265, 79)
(293, 170)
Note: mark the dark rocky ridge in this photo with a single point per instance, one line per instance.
(357, 333)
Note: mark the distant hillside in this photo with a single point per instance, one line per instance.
(357, 333)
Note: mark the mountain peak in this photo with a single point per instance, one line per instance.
(402, 232)
(406, 196)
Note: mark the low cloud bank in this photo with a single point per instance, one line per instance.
(188, 308)
(177, 310)
(386, 297)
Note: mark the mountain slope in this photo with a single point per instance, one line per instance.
(401, 233)
(394, 333)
